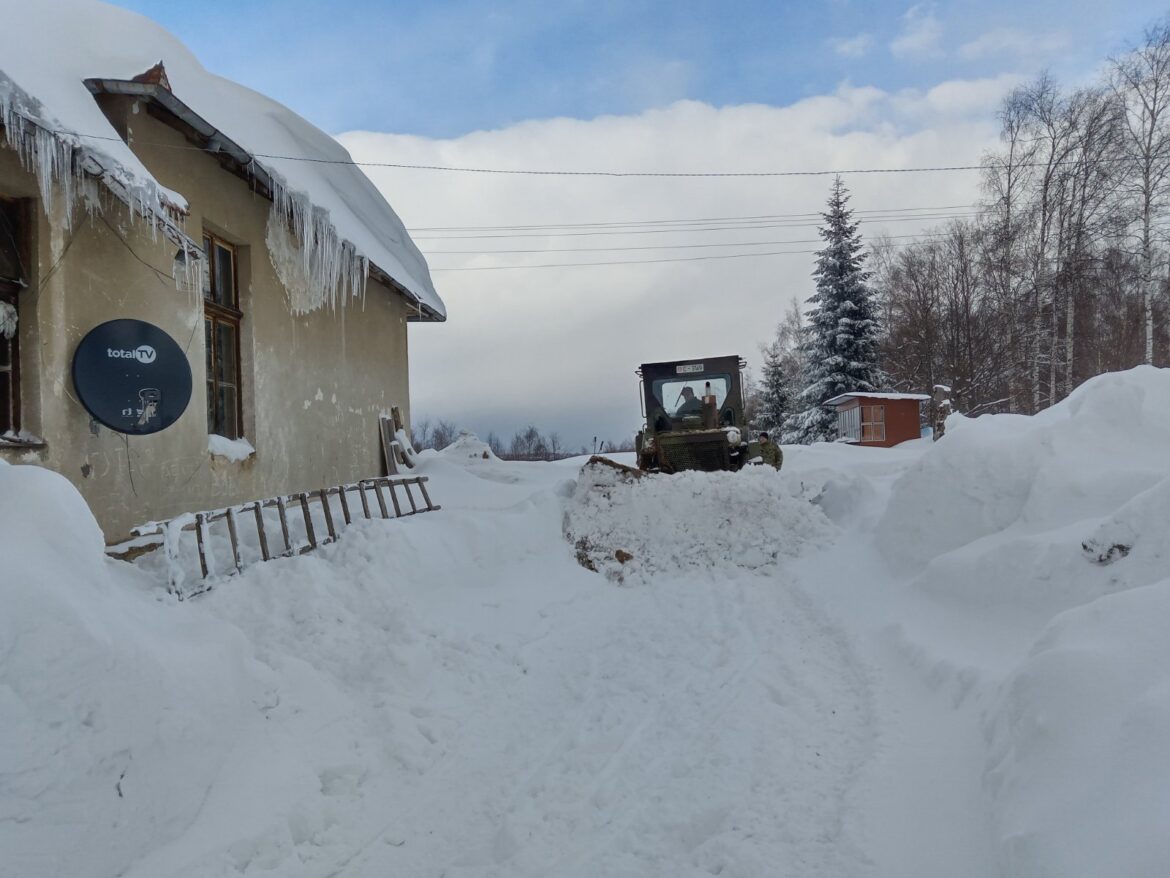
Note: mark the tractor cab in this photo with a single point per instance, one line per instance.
(694, 415)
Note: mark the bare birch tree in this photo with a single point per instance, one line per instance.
(1141, 80)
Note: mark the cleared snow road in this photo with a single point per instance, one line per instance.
(548, 722)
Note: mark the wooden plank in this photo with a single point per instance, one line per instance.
(200, 522)
(386, 428)
(365, 500)
(344, 503)
(282, 511)
(309, 532)
(258, 508)
(231, 520)
(394, 499)
(422, 486)
(324, 495)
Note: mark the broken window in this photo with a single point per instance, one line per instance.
(221, 325)
(13, 279)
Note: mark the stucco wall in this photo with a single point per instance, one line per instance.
(313, 385)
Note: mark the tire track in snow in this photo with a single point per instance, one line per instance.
(717, 729)
(702, 724)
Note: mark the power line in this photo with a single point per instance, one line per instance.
(659, 231)
(655, 246)
(628, 262)
(709, 219)
(638, 261)
(560, 173)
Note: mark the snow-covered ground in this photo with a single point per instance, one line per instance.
(936, 660)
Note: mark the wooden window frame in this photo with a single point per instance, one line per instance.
(876, 425)
(10, 294)
(849, 423)
(218, 314)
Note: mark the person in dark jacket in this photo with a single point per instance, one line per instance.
(770, 452)
(691, 405)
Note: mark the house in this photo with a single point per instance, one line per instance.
(152, 193)
(881, 420)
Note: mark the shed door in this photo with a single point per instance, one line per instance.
(873, 423)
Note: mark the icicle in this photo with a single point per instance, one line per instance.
(187, 270)
(58, 159)
(316, 266)
(8, 320)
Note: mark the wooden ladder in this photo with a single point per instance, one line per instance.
(251, 513)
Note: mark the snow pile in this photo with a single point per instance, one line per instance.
(469, 446)
(119, 711)
(1090, 453)
(1079, 773)
(1040, 548)
(1008, 510)
(339, 222)
(628, 525)
(234, 450)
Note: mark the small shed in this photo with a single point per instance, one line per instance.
(880, 420)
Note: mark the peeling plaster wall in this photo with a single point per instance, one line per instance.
(313, 385)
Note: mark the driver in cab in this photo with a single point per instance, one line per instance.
(691, 405)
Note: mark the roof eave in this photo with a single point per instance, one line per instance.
(245, 165)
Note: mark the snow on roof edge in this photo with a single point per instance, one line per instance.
(333, 206)
(920, 397)
(54, 156)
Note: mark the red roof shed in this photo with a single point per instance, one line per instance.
(881, 420)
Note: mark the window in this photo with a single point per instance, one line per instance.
(671, 393)
(12, 281)
(221, 329)
(873, 423)
(849, 424)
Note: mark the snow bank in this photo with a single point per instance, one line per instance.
(118, 711)
(1036, 550)
(469, 446)
(627, 526)
(1080, 779)
(340, 220)
(1026, 475)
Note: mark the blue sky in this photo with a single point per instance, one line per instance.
(441, 69)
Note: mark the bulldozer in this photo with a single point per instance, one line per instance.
(694, 415)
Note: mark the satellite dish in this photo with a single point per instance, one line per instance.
(132, 377)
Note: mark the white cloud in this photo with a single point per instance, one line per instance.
(1013, 42)
(852, 47)
(558, 346)
(921, 34)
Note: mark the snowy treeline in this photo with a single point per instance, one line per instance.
(1063, 274)
(528, 443)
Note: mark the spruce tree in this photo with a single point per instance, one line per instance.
(775, 397)
(841, 342)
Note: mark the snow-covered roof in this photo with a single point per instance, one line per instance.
(921, 397)
(49, 50)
